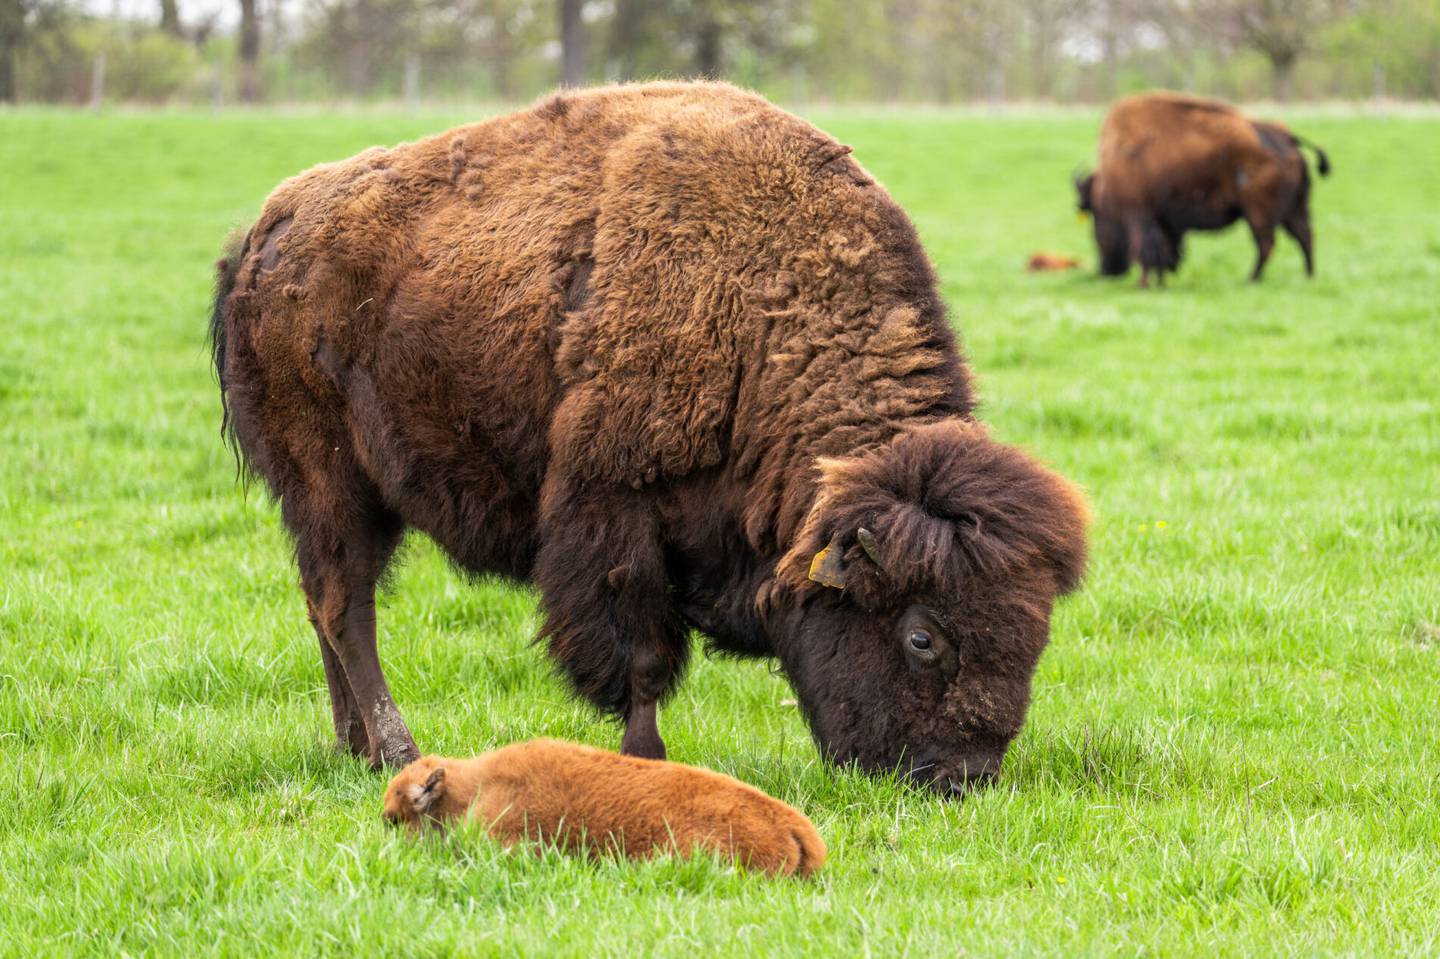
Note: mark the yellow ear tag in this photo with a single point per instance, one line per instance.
(817, 562)
(827, 566)
(1081, 217)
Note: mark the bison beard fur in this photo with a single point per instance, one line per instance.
(661, 350)
(1171, 163)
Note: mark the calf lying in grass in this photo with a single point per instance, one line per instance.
(589, 801)
(1051, 262)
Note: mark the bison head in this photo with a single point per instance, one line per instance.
(1085, 190)
(924, 576)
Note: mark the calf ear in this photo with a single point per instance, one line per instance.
(424, 796)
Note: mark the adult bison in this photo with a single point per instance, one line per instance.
(1171, 163)
(672, 355)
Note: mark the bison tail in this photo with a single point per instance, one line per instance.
(226, 270)
(1322, 162)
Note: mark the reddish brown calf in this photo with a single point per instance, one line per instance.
(591, 802)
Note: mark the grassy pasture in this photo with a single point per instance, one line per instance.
(1235, 742)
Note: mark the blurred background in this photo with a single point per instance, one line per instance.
(229, 52)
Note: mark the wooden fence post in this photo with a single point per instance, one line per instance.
(97, 81)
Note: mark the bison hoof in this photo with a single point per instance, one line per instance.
(390, 741)
(394, 755)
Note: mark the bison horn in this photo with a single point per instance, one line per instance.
(827, 567)
(868, 544)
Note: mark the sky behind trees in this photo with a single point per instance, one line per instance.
(941, 51)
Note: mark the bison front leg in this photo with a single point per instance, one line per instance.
(642, 731)
(610, 623)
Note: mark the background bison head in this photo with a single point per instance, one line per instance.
(924, 578)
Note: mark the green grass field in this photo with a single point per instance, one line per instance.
(1235, 743)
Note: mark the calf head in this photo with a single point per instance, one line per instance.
(922, 585)
(415, 797)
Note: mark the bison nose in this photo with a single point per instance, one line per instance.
(969, 776)
(961, 785)
(954, 779)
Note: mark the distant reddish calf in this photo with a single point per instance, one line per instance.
(1051, 262)
(590, 801)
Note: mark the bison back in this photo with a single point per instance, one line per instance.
(583, 284)
(1160, 148)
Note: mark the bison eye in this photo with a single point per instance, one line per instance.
(922, 646)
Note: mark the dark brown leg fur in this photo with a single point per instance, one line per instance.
(642, 733)
(345, 712)
(1297, 224)
(609, 618)
(1151, 248)
(1264, 233)
(339, 570)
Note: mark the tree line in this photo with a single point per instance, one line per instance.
(942, 51)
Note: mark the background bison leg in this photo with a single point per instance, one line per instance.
(1264, 233)
(1149, 246)
(345, 712)
(1297, 224)
(1174, 246)
(1113, 244)
(610, 621)
(340, 563)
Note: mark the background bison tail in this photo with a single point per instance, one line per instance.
(1322, 162)
(226, 270)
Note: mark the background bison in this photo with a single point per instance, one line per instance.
(1171, 163)
(674, 356)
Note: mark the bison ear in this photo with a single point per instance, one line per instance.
(827, 567)
(425, 796)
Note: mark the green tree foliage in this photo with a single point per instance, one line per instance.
(170, 17)
(1391, 45)
(56, 60)
(13, 14)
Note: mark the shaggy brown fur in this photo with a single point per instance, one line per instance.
(602, 345)
(588, 801)
(1171, 163)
